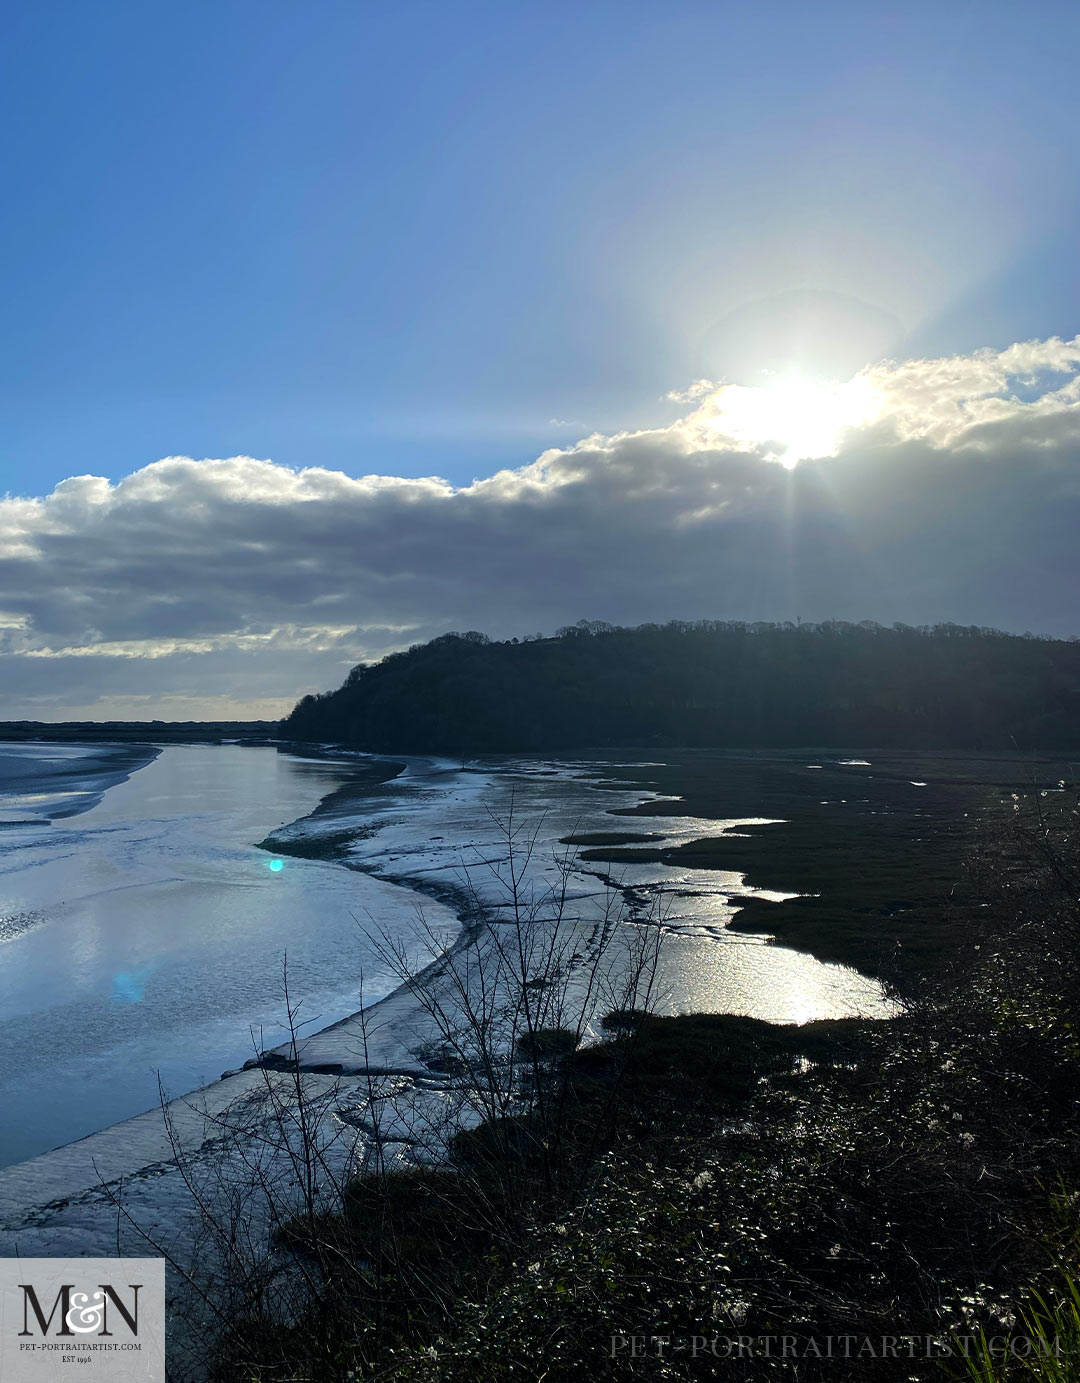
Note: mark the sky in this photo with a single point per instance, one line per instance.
(329, 328)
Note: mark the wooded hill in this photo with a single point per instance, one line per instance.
(708, 682)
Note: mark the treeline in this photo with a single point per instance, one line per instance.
(708, 682)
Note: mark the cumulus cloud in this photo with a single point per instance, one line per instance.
(933, 489)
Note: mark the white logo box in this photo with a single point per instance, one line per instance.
(101, 1319)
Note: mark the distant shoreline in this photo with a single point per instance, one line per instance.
(143, 731)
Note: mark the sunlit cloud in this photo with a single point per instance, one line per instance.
(794, 419)
(791, 420)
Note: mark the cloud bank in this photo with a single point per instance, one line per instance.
(950, 491)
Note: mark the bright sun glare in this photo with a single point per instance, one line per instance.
(793, 419)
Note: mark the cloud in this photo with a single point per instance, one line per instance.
(954, 494)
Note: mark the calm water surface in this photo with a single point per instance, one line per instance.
(147, 935)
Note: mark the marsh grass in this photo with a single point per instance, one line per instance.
(1044, 1346)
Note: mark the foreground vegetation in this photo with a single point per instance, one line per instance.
(668, 1203)
(707, 682)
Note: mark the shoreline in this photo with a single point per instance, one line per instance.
(75, 786)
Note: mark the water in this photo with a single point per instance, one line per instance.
(148, 934)
(144, 938)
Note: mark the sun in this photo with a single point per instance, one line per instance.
(793, 419)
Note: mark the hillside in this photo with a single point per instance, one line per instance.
(708, 683)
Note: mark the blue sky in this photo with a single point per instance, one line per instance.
(434, 238)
